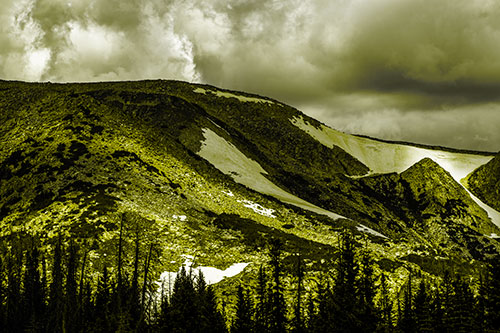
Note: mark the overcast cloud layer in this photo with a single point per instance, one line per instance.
(417, 70)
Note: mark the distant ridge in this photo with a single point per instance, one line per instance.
(425, 146)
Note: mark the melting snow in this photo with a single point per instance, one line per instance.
(228, 159)
(383, 157)
(228, 193)
(258, 208)
(212, 275)
(230, 95)
(365, 229)
(179, 217)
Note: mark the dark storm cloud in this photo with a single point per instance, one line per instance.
(389, 68)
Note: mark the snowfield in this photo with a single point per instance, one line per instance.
(231, 161)
(212, 275)
(383, 157)
(230, 95)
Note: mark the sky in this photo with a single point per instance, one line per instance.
(425, 71)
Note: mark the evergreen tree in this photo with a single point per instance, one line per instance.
(134, 304)
(14, 312)
(385, 324)
(461, 309)
(298, 320)
(447, 300)
(345, 294)
(102, 303)
(243, 322)
(71, 305)
(211, 317)
(480, 318)
(262, 304)
(33, 302)
(183, 313)
(407, 322)
(437, 311)
(2, 278)
(277, 300)
(423, 314)
(368, 314)
(323, 319)
(491, 295)
(311, 313)
(56, 307)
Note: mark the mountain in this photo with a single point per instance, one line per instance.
(201, 171)
(484, 182)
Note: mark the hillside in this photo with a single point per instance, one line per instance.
(214, 174)
(484, 182)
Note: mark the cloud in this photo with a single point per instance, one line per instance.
(341, 60)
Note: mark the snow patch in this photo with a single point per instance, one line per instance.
(180, 217)
(258, 208)
(231, 161)
(383, 157)
(493, 214)
(228, 193)
(230, 95)
(365, 229)
(212, 275)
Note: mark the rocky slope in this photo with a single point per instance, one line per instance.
(485, 183)
(214, 174)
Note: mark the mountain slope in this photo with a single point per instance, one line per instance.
(484, 182)
(211, 173)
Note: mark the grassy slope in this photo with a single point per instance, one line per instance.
(78, 158)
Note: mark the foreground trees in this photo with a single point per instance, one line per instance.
(55, 291)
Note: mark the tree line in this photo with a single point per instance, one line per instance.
(59, 293)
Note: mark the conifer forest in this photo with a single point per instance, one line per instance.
(52, 292)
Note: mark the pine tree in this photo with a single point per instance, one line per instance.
(71, 297)
(2, 274)
(479, 318)
(422, 304)
(385, 324)
(243, 322)
(277, 300)
(213, 319)
(133, 304)
(145, 285)
(368, 314)
(437, 311)
(262, 304)
(56, 307)
(407, 322)
(183, 312)
(311, 313)
(323, 319)
(33, 302)
(298, 320)
(447, 301)
(345, 292)
(14, 314)
(102, 303)
(461, 309)
(492, 295)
